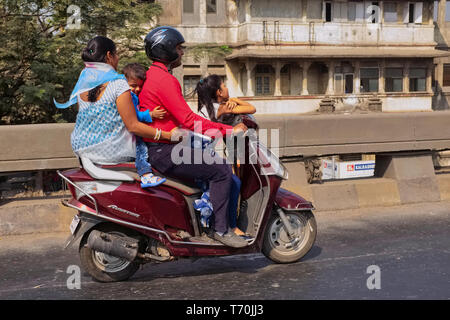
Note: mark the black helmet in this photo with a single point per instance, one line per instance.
(161, 43)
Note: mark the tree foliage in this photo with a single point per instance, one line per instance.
(208, 50)
(40, 57)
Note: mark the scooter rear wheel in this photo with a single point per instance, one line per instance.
(277, 245)
(103, 267)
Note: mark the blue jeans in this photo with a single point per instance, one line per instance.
(142, 164)
(234, 199)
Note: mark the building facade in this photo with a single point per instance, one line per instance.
(295, 56)
(441, 99)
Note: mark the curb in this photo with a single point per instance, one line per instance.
(34, 216)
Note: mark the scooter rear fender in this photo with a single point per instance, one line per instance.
(87, 222)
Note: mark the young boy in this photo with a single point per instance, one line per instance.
(135, 74)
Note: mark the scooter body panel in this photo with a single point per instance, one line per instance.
(160, 208)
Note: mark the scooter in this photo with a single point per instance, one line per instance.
(122, 226)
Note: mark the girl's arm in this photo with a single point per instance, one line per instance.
(241, 102)
(249, 109)
(126, 110)
(242, 107)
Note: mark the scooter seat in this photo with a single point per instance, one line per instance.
(129, 169)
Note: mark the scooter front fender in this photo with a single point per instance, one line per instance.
(290, 201)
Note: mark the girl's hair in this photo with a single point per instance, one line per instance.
(135, 71)
(96, 51)
(206, 90)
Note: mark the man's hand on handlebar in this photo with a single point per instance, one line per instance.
(176, 135)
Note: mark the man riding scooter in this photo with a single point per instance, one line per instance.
(163, 46)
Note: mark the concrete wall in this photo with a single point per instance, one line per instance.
(409, 103)
(276, 106)
(47, 146)
(171, 14)
(356, 34)
(286, 104)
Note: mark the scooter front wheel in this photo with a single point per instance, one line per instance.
(103, 267)
(281, 248)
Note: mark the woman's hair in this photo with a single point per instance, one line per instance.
(206, 90)
(96, 51)
(135, 71)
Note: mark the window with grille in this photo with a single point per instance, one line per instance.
(263, 85)
(447, 11)
(369, 79)
(355, 11)
(327, 11)
(446, 82)
(390, 12)
(417, 79)
(211, 6)
(264, 79)
(189, 84)
(393, 79)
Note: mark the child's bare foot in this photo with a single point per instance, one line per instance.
(239, 232)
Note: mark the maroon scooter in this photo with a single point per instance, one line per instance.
(122, 226)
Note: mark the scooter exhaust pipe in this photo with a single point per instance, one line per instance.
(113, 245)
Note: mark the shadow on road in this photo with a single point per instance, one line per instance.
(248, 264)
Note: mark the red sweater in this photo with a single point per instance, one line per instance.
(163, 89)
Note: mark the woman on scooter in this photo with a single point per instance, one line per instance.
(106, 116)
(163, 46)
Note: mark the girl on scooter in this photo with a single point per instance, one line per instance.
(213, 95)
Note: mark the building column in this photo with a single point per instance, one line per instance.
(330, 87)
(381, 82)
(357, 79)
(248, 6)
(305, 66)
(381, 5)
(202, 12)
(304, 11)
(406, 77)
(441, 14)
(277, 66)
(428, 87)
(232, 15)
(233, 79)
(431, 10)
(439, 72)
(249, 65)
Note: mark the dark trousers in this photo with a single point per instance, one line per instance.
(219, 177)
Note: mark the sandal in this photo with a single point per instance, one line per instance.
(150, 180)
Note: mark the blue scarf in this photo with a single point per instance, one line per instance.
(93, 75)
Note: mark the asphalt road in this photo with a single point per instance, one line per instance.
(408, 245)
